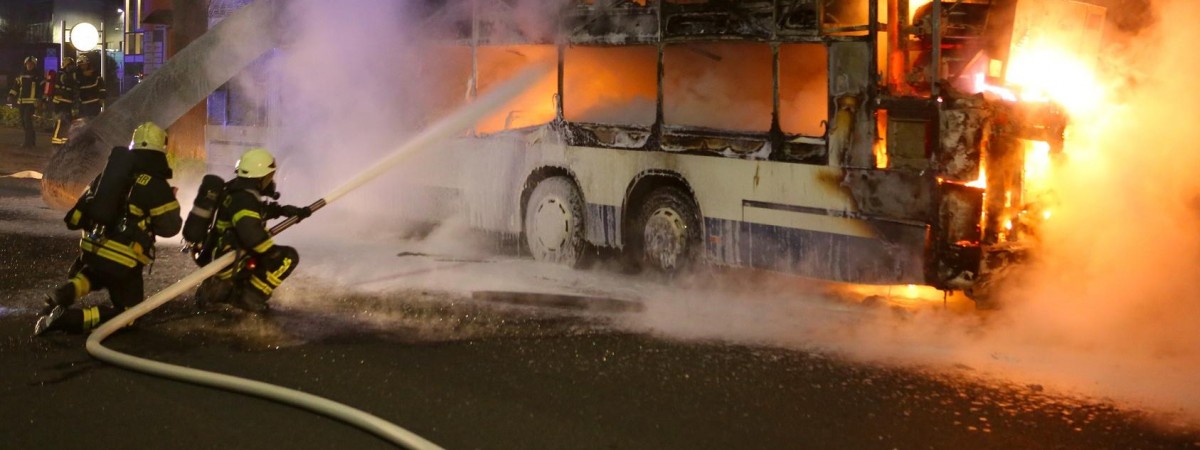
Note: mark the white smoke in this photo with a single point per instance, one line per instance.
(1111, 309)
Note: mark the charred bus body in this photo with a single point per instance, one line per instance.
(801, 136)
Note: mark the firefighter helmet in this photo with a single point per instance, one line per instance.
(255, 163)
(83, 59)
(31, 60)
(68, 61)
(149, 136)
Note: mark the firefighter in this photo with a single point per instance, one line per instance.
(241, 226)
(64, 100)
(25, 92)
(113, 259)
(90, 84)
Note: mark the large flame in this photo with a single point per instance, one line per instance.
(1045, 71)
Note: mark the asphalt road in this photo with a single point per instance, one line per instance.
(466, 374)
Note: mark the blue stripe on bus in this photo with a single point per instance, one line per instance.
(603, 225)
(895, 259)
(818, 254)
(898, 258)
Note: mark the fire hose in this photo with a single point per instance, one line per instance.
(452, 125)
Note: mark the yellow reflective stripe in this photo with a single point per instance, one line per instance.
(245, 213)
(91, 318)
(134, 250)
(82, 285)
(273, 277)
(130, 251)
(264, 246)
(117, 257)
(75, 217)
(133, 209)
(115, 251)
(123, 260)
(164, 208)
(266, 289)
(88, 102)
(223, 225)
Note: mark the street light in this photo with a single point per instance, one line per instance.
(84, 37)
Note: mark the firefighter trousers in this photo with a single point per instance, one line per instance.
(267, 272)
(26, 110)
(62, 111)
(89, 110)
(91, 273)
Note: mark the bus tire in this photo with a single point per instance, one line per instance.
(667, 232)
(554, 222)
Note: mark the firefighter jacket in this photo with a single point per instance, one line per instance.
(65, 86)
(242, 217)
(151, 211)
(91, 87)
(27, 87)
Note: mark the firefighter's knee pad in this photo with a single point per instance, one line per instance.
(280, 257)
(275, 266)
(78, 286)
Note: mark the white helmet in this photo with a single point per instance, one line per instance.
(255, 163)
(149, 136)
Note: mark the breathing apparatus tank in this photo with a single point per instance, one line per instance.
(102, 207)
(196, 229)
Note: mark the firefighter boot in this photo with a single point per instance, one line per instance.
(250, 300)
(49, 317)
(214, 291)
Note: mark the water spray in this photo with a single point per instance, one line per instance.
(450, 126)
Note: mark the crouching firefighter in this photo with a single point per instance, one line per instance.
(120, 214)
(240, 226)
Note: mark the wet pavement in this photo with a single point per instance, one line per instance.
(470, 371)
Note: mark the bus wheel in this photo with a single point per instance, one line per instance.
(554, 222)
(669, 228)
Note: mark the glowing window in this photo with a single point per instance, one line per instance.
(499, 64)
(610, 85)
(803, 88)
(721, 86)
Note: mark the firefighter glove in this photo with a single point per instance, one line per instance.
(274, 210)
(296, 211)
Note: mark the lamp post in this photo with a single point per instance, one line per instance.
(103, 50)
(84, 37)
(62, 42)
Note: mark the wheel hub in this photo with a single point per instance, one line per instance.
(665, 237)
(551, 224)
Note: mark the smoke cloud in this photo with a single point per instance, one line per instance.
(1116, 279)
(1110, 308)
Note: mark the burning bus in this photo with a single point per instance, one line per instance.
(864, 141)
(858, 141)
